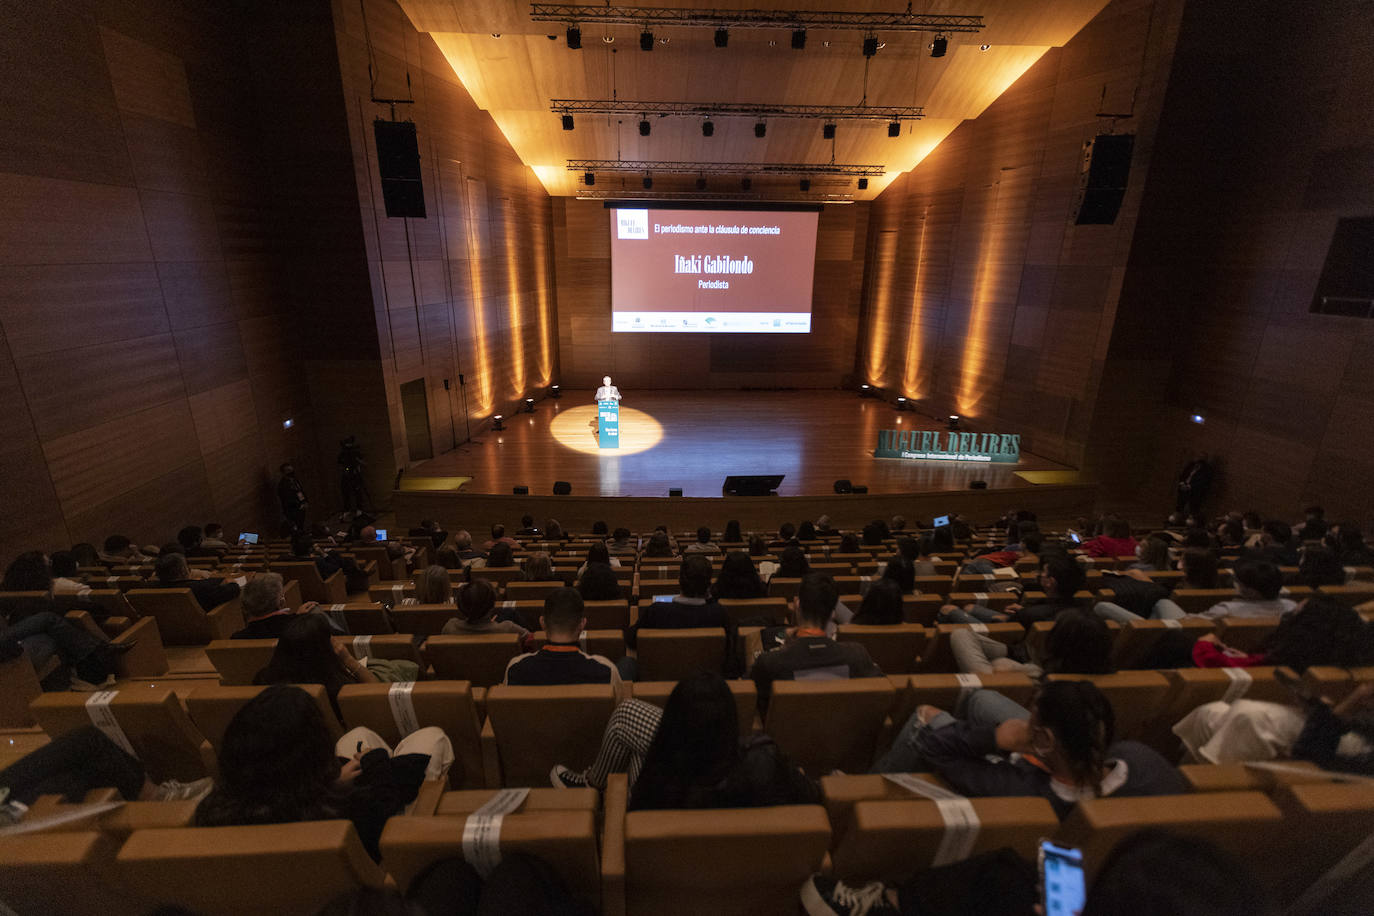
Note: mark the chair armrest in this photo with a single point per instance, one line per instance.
(226, 619)
(84, 620)
(336, 589)
(615, 803)
(427, 799)
(491, 759)
(147, 658)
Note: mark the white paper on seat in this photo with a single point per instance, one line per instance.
(917, 786)
(978, 627)
(398, 591)
(336, 616)
(403, 707)
(362, 647)
(506, 604)
(98, 708)
(980, 597)
(961, 830)
(967, 684)
(482, 830)
(1172, 623)
(1239, 686)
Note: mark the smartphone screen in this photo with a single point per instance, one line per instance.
(1061, 875)
(248, 537)
(941, 521)
(381, 534)
(1073, 536)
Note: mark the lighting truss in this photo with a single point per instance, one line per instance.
(722, 168)
(736, 109)
(837, 20)
(634, 194)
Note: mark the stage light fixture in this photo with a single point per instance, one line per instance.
(644, 127)
(496, 423)
(746, 183)
(984, 47)
(708, 128)
(701, 184)
(863, 184)
(648, 182)
(953, 423)
(646, 40)
(805, 184)
(574, 36)
(939, 46)
(555, 392)
(722, 37)
(1198, 418)
(894, 128)
(870, 45)
(567, 122)
(798, 39)
(828, 131)
(529, 405)
(589, 179)
(760, 129)
(867, 391)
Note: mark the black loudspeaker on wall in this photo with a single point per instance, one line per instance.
(561, 488)
(398, 161)
(520, 490)
(1106, 170)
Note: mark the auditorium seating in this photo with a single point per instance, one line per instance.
(212, 708)
(479, 657)
(532, 728)
(670, 655)
(450, 705)
(896, 649)
(744, 692)
(151, 719)
(823, 725)
(180, 618)
(313, 587)
(742, 862)
(1135, 697)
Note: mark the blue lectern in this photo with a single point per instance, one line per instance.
(608, 417)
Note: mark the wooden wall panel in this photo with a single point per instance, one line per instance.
(1229, 249)
(981, 296)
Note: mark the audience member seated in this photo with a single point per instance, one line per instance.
(448, 558)
(1319, 567)
(553, 531)
(306, 654)
(119, 549)
(432, 586)
(498, 536)
(1314, 525)
(1060, 578)
(172, 572)
(787, 534)
(809, 653)
(692, 608)
(430, 529)
(66, 575)
(88, 660)
(263, 601)
(327, 562)
(899, 569)
(598, 582)
(703, 543)
(733, 534)
(30, 572)
(476, 602)
(192, 541)
(527, 528)
(560, 661)
(1025, 544)
(849, 543)
(792, 563)
(806, 531)
(1277, 545)
(214, 538)
(882, 605)
(600, 529)
(1321, 632)
(1258, 584)
(1326, 729)
(598, 553)
(738, 578)
(621, 540)
(500, 556)
(278, 765)
(1347, 541)
(538, 567)
(1116, 541)
(659, 547)
(1152, 555)
(462, 542)
(823, 524)
(86, 555)
(1078, 643)
(1062, 749)
(74, 763)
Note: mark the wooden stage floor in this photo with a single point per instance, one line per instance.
(695, 439)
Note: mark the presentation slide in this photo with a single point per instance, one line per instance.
(722, 271)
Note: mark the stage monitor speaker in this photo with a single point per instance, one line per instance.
(844, 486)
(978, 485)
(1106, 171)
(859, 488)
(520, 490)
(675, 491)
(398, 162)
(751, 484)
(561, 488)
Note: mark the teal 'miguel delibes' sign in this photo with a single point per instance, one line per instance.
(932, 445)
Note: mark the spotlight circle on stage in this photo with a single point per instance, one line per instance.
(575, 427)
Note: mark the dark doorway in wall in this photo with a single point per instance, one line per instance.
(415, 407)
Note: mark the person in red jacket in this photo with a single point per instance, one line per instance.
(1322, 631)
(1115, 541)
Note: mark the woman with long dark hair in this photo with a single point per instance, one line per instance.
(738, 578)
(882, 605)
(278, 765)
(306, 654)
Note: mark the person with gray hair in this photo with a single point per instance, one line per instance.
(172, 571)
(264, 607)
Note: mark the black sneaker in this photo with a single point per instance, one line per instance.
(822, 895)
(564, 778)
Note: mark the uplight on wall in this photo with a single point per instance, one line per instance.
(288, 423)
(1198, 418)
